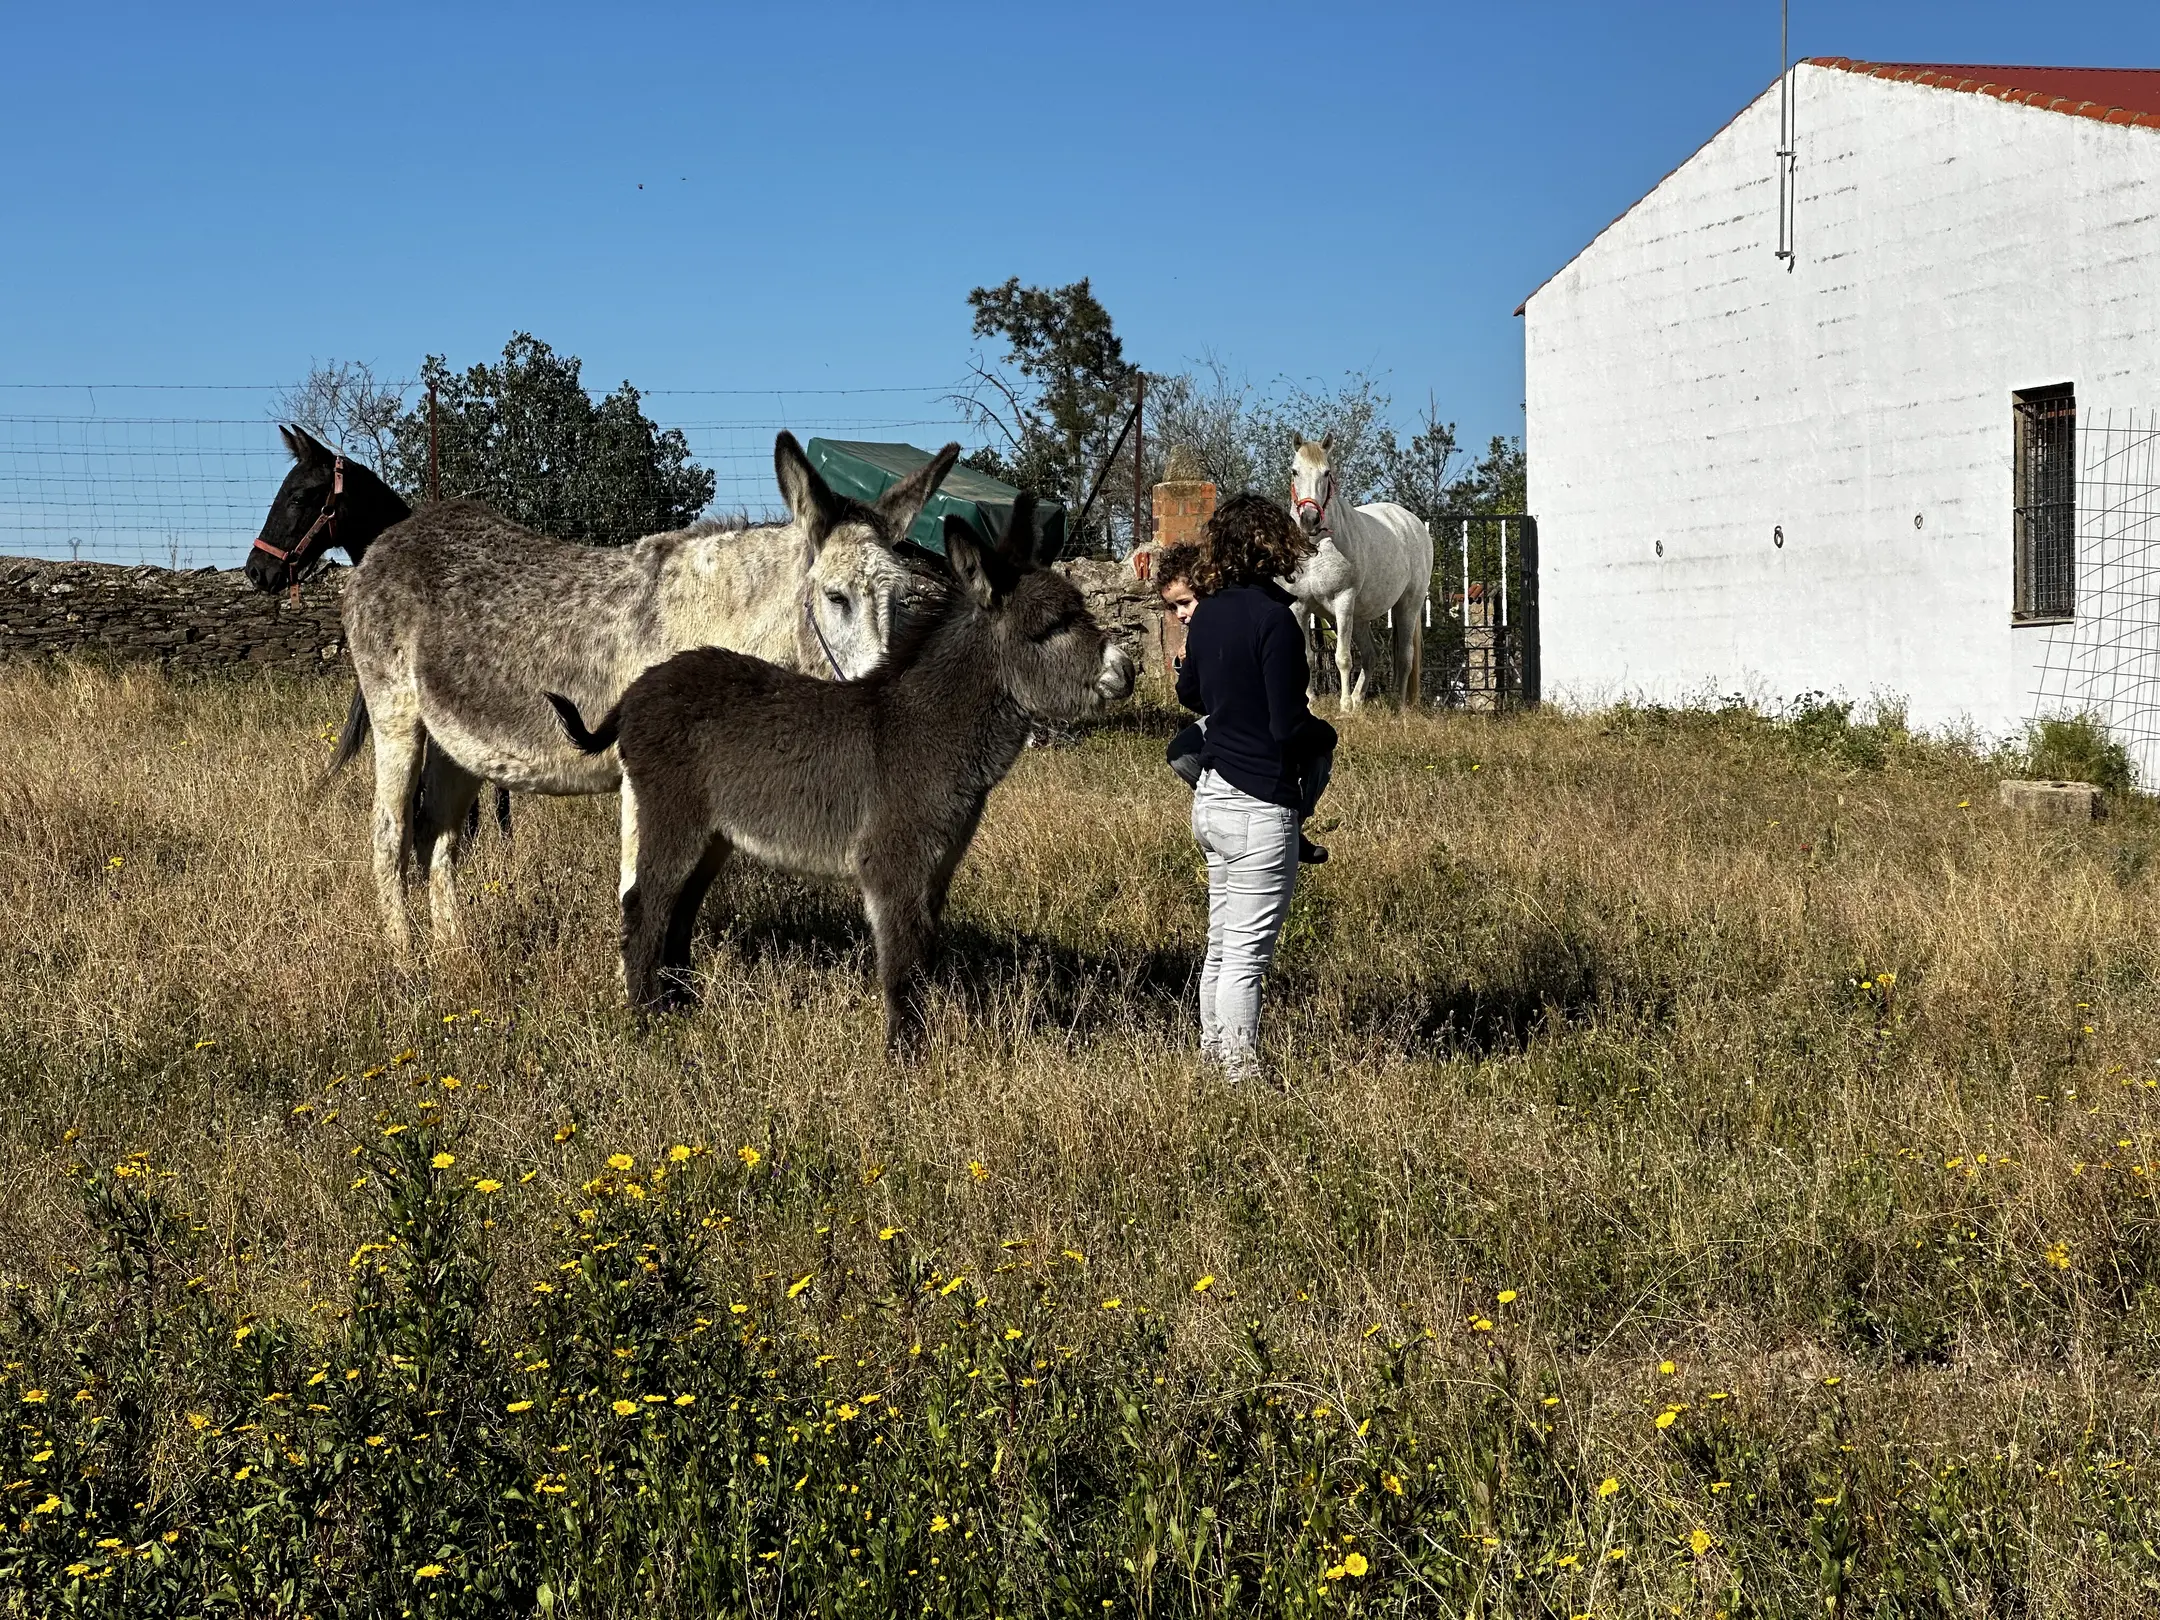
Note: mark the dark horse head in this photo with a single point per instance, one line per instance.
(326, 501)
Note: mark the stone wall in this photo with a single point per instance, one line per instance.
(210, 618)
(203, 618)
(1127, 606)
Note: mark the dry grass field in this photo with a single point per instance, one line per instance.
(1713, 1174)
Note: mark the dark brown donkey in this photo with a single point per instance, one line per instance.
(880, 779)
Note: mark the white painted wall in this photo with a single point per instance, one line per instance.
(1683, 386)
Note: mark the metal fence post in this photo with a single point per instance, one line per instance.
(1140, 536)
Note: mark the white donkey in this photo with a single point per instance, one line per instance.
(1372, 562)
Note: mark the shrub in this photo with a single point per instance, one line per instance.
(2077, 748)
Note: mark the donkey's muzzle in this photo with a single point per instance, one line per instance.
(1116, 680)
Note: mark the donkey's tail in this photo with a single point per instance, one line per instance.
(349, 739)
(596, 741)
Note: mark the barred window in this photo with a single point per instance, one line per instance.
(2045, 518)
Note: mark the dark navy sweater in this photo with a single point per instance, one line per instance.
(1245, 670)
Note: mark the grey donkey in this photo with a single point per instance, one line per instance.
(458, 620)
(881, 780)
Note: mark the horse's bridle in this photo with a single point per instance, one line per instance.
(304, 550)
(1298, 502)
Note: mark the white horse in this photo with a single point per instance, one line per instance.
(1373, 562)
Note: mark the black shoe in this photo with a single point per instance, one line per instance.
(1310, 853)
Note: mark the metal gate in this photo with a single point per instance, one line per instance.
(1481, 619)
(1481, 645)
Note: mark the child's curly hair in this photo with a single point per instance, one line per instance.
(1249, 540)
(1174, 563)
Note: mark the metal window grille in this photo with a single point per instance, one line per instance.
(2045, 522)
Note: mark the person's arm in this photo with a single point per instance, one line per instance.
(1283, 675)
(1188, 675)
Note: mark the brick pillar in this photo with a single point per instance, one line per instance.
(1182, 508)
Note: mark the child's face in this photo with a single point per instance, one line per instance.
(1178, 597)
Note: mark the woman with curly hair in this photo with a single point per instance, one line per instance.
(1262, 758)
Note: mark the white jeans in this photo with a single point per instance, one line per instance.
(1252, 850)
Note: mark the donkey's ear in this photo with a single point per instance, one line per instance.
(1017, 544)
(968, 564)
(1327, 441)
(901, 505)
(305, 449)
(807, 494)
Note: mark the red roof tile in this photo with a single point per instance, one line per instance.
(2111, 95)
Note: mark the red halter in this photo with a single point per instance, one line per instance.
(1298, 502)
(298, 555)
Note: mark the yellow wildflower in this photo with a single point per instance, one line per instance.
(519, 1406)
(1355, 1564)
(796, 1287)
(678, 1154)
(1204, 1284)
(625, 1408)
(443, 1161)
(1608, 1486)
(749, 1156)
(427, 1572)
(487, 1186)
(1507, 1296)
(1699, 1541)
(620, 1161)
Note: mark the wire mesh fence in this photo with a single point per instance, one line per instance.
(181, 476)
(2106, 660)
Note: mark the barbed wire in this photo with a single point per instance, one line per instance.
(190, 490)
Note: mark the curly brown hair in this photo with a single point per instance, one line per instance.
(1174, 563)
(1249, 540)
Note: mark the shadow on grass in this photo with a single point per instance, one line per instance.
(1556, 985)
(1555, 988)
(1075, 991)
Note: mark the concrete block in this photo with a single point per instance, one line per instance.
(2059, 801)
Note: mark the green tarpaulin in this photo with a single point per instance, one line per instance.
(866, 471)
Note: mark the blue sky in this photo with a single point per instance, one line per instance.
(221, 194)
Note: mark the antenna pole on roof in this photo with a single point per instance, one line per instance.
(1785, 185)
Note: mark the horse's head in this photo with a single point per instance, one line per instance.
(1312, 483)
(863, 580)
(325, 501)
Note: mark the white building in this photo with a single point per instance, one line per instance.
(1854, 467)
